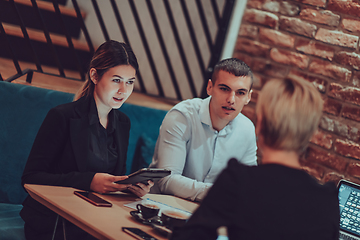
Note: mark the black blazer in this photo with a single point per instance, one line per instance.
(59, 153)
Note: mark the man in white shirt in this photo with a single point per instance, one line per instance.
(199, 136)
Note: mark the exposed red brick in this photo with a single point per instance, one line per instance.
(354, 180)
(289, 58)
(289, 8)
(356, 79)
(268, 5)
(259, 81)
(298, 26)
(351, 7)
(340, 128)
(249, 112)
(277, 38)
(351, 25)
(349, 94)
(269, 69)
(341, 93)
(333, 177)
(322, 139)
(349, 59)
(318, 82)
(332, 106)
(330, 70)
(251, 47)
(255, 3)
(315, 48)
(319, 3)
(261, 17)
(347, 148)
(313, 169)
(327, 124)
(254, 96)
(350, 132)
(320, 16)
(271, 6)
(353, 169)
(351, 113)
(337, 38)
(249, 31)
(326, 159)
(244, 57)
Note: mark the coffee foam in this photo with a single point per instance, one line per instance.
(150, 205)
(177, 215)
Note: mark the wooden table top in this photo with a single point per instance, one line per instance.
(101, 222)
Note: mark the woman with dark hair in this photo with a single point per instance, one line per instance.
(83, 144)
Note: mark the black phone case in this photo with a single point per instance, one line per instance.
(93, 199)
(138, 233)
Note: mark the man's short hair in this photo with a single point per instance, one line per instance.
(234, 66)
(291, 111)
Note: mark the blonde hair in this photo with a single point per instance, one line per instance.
(291, 111)
(109, 54)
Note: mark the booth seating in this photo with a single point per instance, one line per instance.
(22, 110)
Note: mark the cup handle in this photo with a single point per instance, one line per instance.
(138, 207)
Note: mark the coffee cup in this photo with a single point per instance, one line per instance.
(147, 210)
(173, 219)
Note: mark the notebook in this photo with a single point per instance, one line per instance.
(349, 203)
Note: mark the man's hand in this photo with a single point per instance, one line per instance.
(105, 183)
(141, 189)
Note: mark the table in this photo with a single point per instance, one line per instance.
(101, 222)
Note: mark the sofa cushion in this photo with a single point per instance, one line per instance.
(11, 224)
(145, 122)
(22, 108)
(144, 152)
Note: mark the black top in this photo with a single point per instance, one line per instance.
(60, 153)
(60, 156)
(102, 146)
(265, 202)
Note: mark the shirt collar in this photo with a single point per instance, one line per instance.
(93, 113)
(205, 117)
(111, 124)
(204, 112)
(94, 117)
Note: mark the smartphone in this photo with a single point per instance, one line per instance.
(138, 233)
(92, 198)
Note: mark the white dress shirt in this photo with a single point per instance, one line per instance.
(195, 152)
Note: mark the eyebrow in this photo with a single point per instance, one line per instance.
(241, 89)
(122, 77)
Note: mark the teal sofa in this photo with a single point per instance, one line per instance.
(22, 110)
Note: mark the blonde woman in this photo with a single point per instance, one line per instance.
(277, 199)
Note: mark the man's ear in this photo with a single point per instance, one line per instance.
(209, 87)
(249, 97)
(93, 75)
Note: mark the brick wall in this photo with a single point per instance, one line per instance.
(315, 40)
